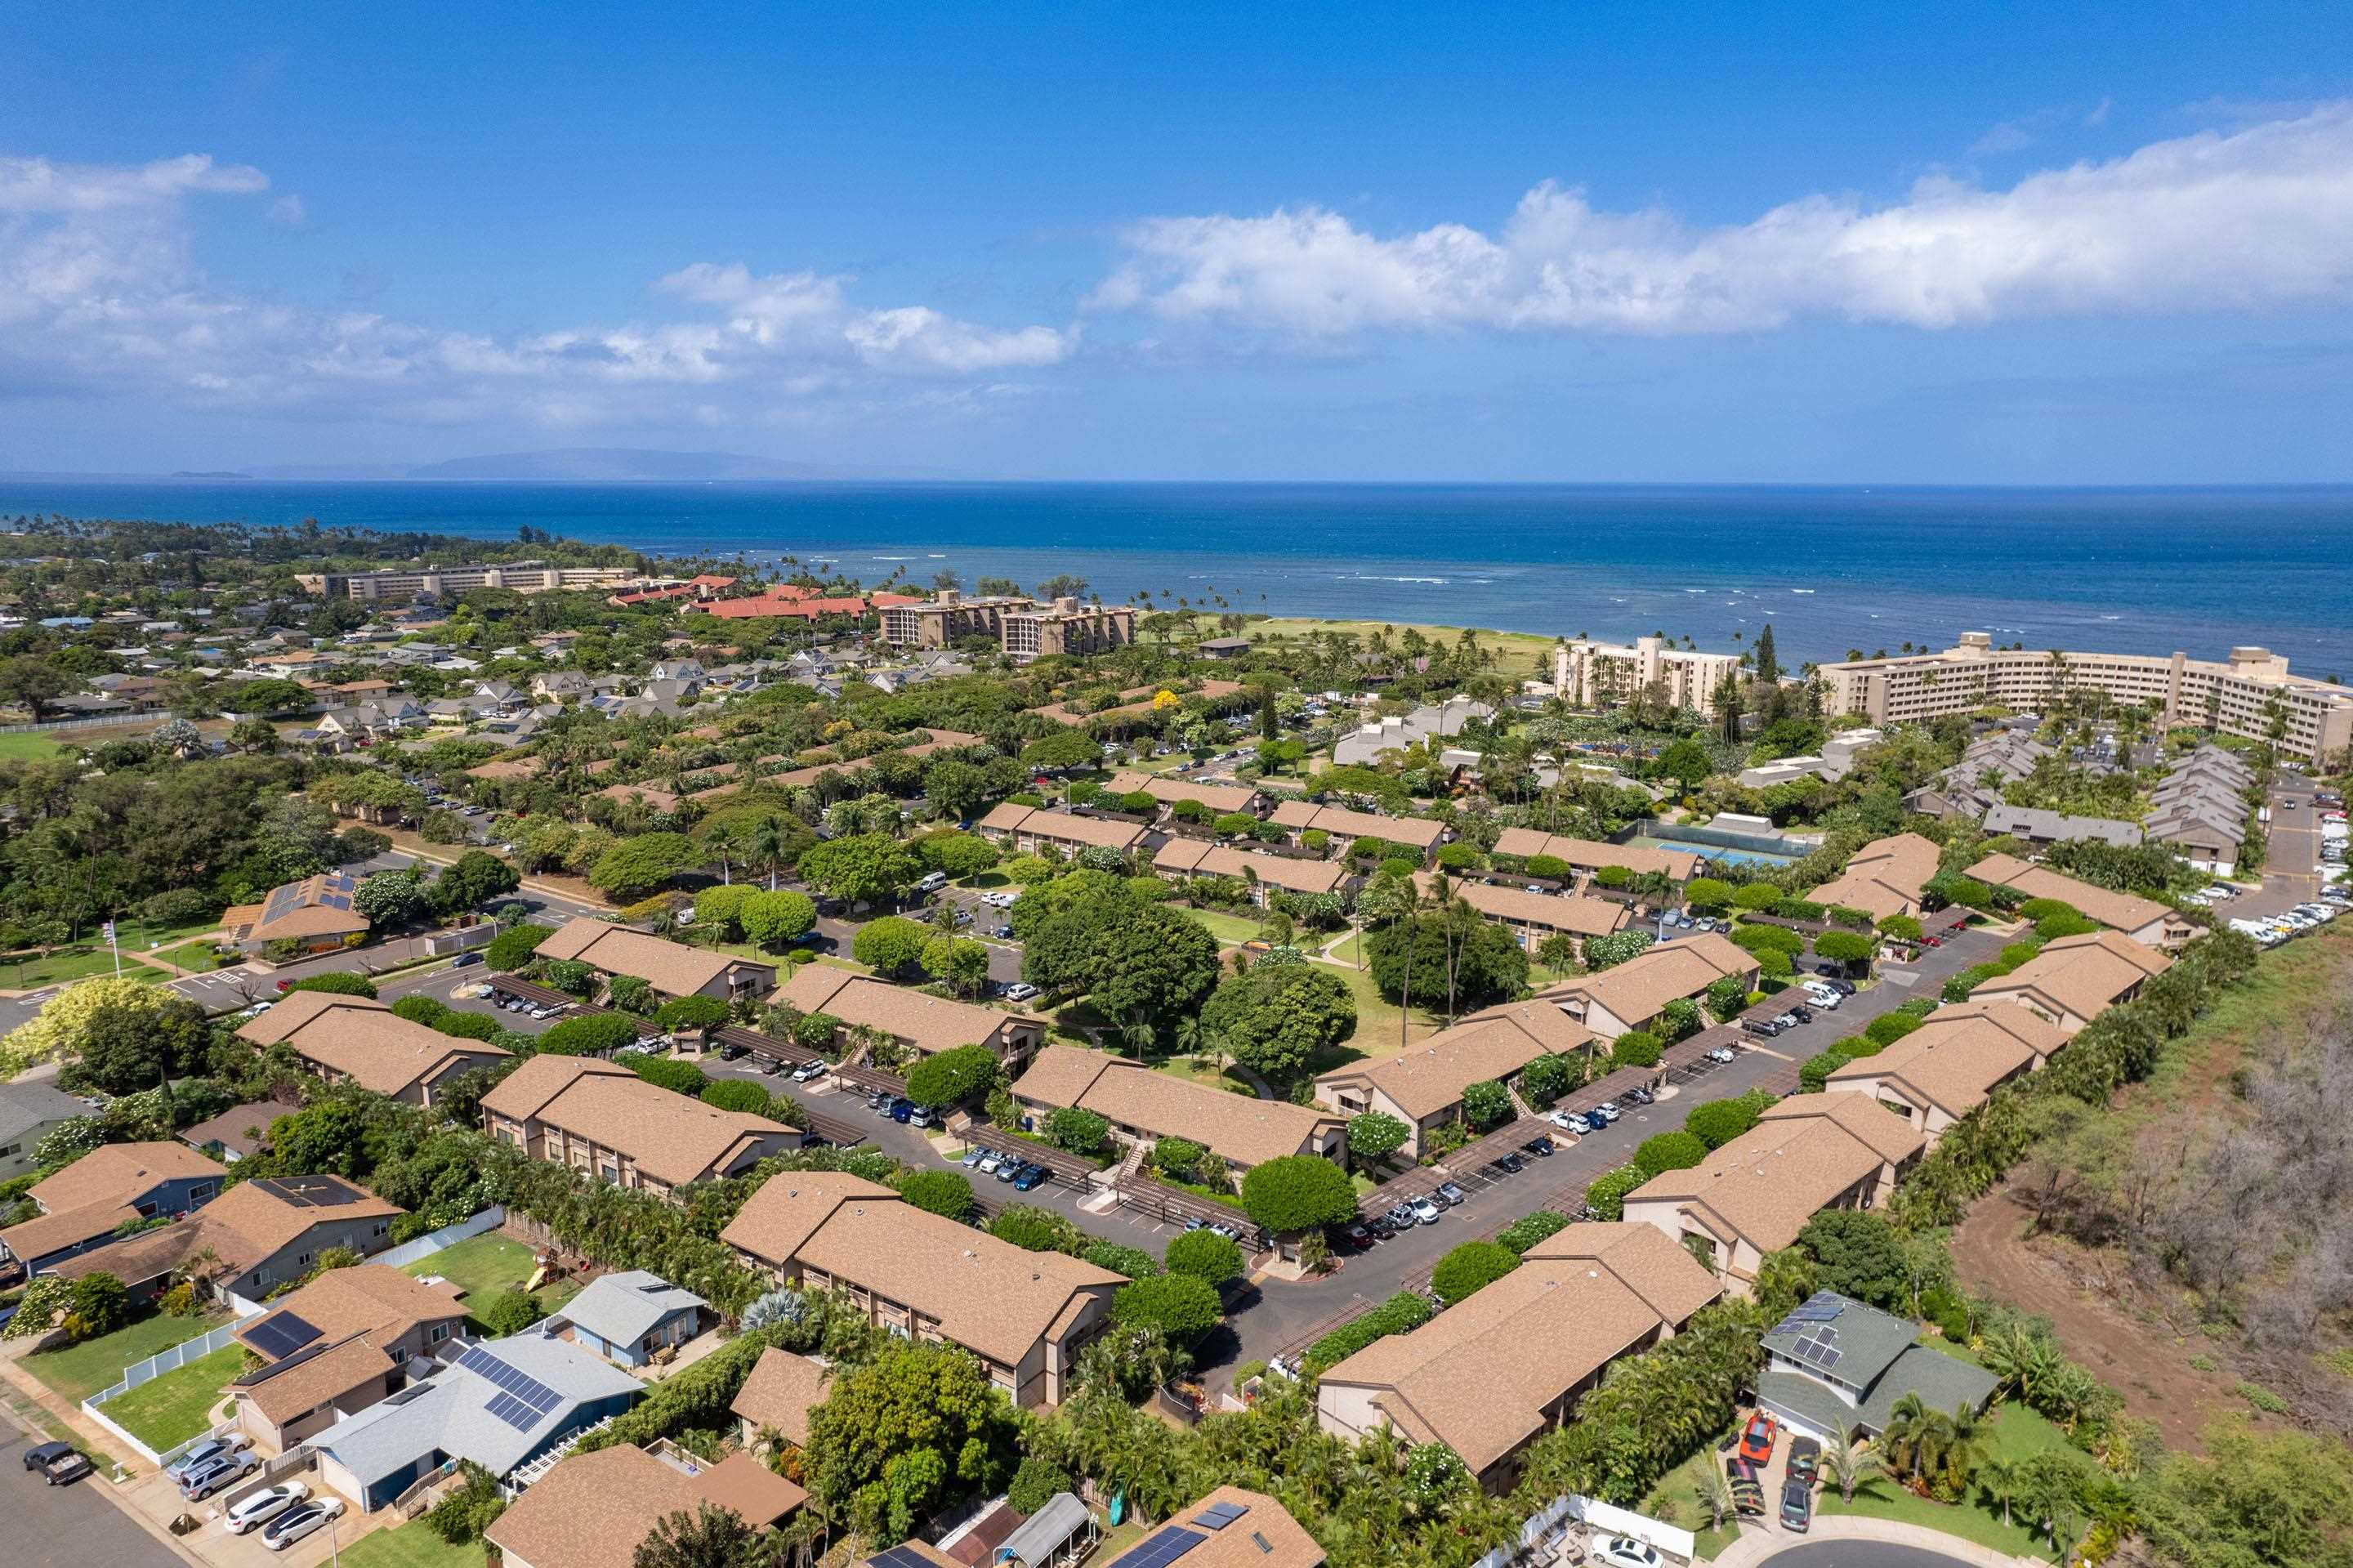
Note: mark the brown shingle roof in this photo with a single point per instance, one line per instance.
(1883, 877)
(1265, 1536)
(1062, 827)
(671, 968)
(1591, 854)
(262, 1222)
(2119, 911)
(1956, 1056)
(1414, 832)
(118, 1173)
(1767, 1183)
(669, 1138)
(1193, 857)
(332, 1374)
(523, 1093)
(1578, 916)
(928, 1023)
(753, 1490)
(1636, 989)
(382, 1303)
(780, 1393)
(1424, 1079)
(592, 1510)
(1246, 1130)
(2081, 974)
(986, 1295)
(1220, 798)
(364, 1040)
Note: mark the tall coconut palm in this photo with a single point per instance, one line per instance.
(2003, 1481)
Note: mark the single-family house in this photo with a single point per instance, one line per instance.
(777, 1396)
(115, 1184)
(1024, 1315)
(237, 1133)
(30, 1113)
(1835, 1367)
(336, 1346)
(314, 914)
(255, 1236)
(595, 1509)
(631, 1317)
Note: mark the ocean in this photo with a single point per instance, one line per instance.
(1831, 568)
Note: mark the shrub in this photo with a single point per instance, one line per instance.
(2067, 922)
(735, 1095)
(2017, 953)
(1179, 1157)
(1718, 1122)
(1607, 1193)
(1855, 1047)
(1799, 909)
(1372, 1134)
(336, 983)
(1033, 1229)
(1669, 1152)
(1707, 894)
(1400, 1314)
(1297, 1192)
(1636, 1048)
(952, 1077)
(1080, 1131)
(1470, 1267)
(1815, 1070)
(1890, 1027)
(1181, 1306)
(1613, 876)
(1206, 1256)
(1529, 1229)
(631, 995)
(944, 1193)
(1035, 1484)
(1459, 856)
(1768, 939)
(1546, 1079)
(1485, 1103)
(670, 1073)
(1757, 897)
(512, 947)
(1903, 928)
(572, 977)
(511, 1311)
(1845, 947)
(598, 1034)
(816, 1031)
(179, 907)
(1131, 1261)
(699, 1012)
(1552, 868)
(1774, 963)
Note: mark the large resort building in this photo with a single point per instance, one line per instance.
(1590, 674)
(448, 582)
(2239, 695)
(1023, 628)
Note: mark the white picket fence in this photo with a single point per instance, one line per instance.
(148, 1371)
(448, 1236)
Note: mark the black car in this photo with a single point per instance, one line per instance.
(1539, 1147)
(733, 1051)
(1510, 1164)
(1802, 1013)
(59, 1463)
(1640, 1097)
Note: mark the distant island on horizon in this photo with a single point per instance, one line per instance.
(602, 465)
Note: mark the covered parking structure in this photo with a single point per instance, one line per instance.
(835, 1131)
(1418, 1182)
(767, 1047)
(1071, 1170)
(1473, 1157)
(1056, 1536)
(1161, 1201)
(869, 1080)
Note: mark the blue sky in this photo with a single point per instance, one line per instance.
(2057, 244)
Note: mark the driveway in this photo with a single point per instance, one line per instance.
(2291, 851)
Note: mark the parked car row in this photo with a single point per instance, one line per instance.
(1360, 1234)
(2288, 924)
(898, 1108)
(1023, 1175)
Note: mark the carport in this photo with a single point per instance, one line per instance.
(540, 995)
(1070, 1170)
(766, 1046)
(1470, 1161)
(834, 1130)
(1163, 1201)
(870, 1080)
(1418, 1183)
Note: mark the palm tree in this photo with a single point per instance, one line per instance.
(1964, 1443)
(1714, 1494)
(2003, 1481)
(1907, 1438)
(765, 850)
(1847, 1466)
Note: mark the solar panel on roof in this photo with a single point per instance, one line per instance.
(1216, 1515)
(280, 1335)
(899, 1557)
(524, 1389)
(1163, 1547)
(514, 1412)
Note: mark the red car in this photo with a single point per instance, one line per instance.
(1756, 1439)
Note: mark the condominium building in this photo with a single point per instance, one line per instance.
(2235, 696)
(445, 582)
(1066, 626)
(948, 617)
(1590, 674)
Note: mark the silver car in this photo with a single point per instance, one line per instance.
(264, 1506)
(299, 1520)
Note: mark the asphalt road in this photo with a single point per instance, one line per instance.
(65, 1527)
(1860, 1555)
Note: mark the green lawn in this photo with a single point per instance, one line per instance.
(2017, 1434)
(165, 1412)
(485, 1265)
(196, 956)
(81, 962)
(27, 747)
(412, 1545)
(1377, 1022)
(79, 1370)
(1675, 1500)
(1521, 653)
(1229, 929)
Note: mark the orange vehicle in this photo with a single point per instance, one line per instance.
(1756, 1438)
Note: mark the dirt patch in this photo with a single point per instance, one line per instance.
(2102, 1317)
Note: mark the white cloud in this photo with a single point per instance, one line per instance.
(99, 295)
(2260, 218)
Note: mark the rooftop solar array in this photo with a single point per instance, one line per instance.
(1817, 1348)
(1161, 1548)
(1216, 1515)
(521, 1400)
(1821, 1306)
(899, 1557)
(309, 1191)
(280, 1335)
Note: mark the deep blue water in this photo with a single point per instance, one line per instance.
(1832, 568)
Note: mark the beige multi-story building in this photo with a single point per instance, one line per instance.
(2236, 696)
(1066, 626)
(947, 617)
(444, 582)
(601, 1120)
(1600, 674)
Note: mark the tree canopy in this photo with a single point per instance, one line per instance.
(1277, 1019)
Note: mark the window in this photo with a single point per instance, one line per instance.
(382, 1227)
(11, 1151)
(440, 1332)
(302, 1260)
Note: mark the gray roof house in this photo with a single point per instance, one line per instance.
(2035, 826)
(500, 1404)
(629, 1317)
(1834, 1365)
(30, 1113)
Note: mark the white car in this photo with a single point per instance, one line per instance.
(1826, 999)
(1020, 990)
(1623, 1551)
(1570, 1121)
(1722, 1054)
(299, 1520)
(264, 1506)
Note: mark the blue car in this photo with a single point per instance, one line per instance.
(903, 1108)
(1031, 1176)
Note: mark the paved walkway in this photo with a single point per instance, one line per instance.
(1757, 1545)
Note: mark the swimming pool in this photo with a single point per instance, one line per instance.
(1712, 851)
